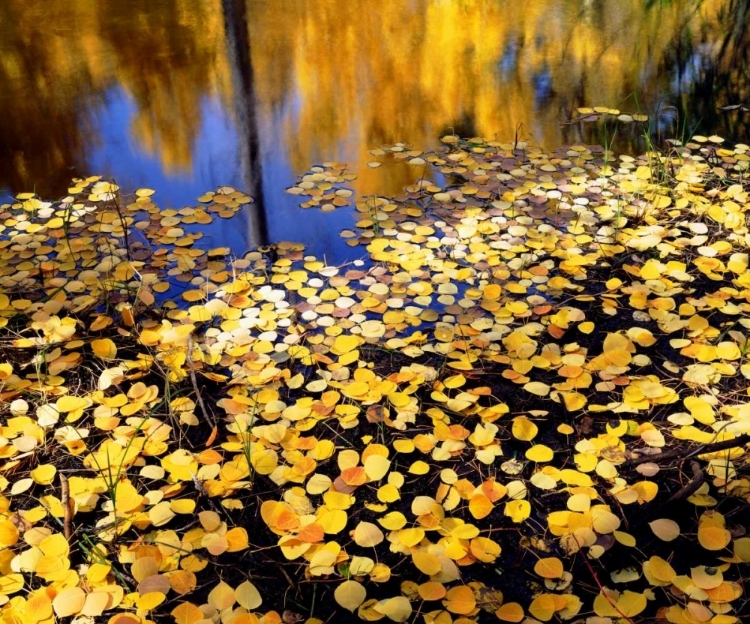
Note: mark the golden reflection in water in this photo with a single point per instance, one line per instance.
(333, 78)
(343, 74)
(60, 58)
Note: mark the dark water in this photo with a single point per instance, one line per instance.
(182, 96)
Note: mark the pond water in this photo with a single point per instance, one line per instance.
(184, 96)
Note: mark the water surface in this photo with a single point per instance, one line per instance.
(183, 96)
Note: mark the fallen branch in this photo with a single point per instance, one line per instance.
(602, 591)
(67, 507)
(691, 486)
(684, 454)
(198, 396)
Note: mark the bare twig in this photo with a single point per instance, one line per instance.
(288, 578)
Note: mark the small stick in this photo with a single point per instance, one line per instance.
(287, 577)
(67, 507)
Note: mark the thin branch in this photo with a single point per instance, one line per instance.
(684, 454)
(199, 398)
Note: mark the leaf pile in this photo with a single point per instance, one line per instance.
(528, 403)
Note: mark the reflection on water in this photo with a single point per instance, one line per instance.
(184, 96)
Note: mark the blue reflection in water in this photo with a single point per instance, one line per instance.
(214, 161)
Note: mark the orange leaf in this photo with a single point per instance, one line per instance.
(460, 600)
(480, 506)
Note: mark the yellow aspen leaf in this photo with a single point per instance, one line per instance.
(237, 539)
(455, 381)
(148, 601)
(700, 409)
(741, 549)
(222, 596)
(543, 607)
(604, 521)
(605, 605)
(350, 594)
(388, 493)
(641, 336)
(574, 400)
(199, 314)
(403, 446)
(484, 549)
(376, 467)
(626, 539)
(411, 537)
(69, 602)
(380, 573)
(523, 429)
(712, 534)
(713, 538)
(318, 484)
(186, 613)
(55, 545)
(292, 548)
(518, 510)
(160, 514)
(248, 596)
(549, 568)
(345, 343)
(183, 505)
(69, 403)
(665, 529)
(460, 600)
(324, 449)
(143, 568)
(11, 583)
(706, 577)
(630, 604)
(431, 591)
(333, 521)
(537, 387)
(540, 453)
(510, 612)
(726, 592)
(626, 575)
(426, 562)
(579, 502)
(419, 468)
(492, 291)
(647, 491)
(44, 474)
(182, 581)
(193, 295)
(397, 609)
(367, 534)
(40, 604)
(393, 521)
(8, 533)
(104, 348)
